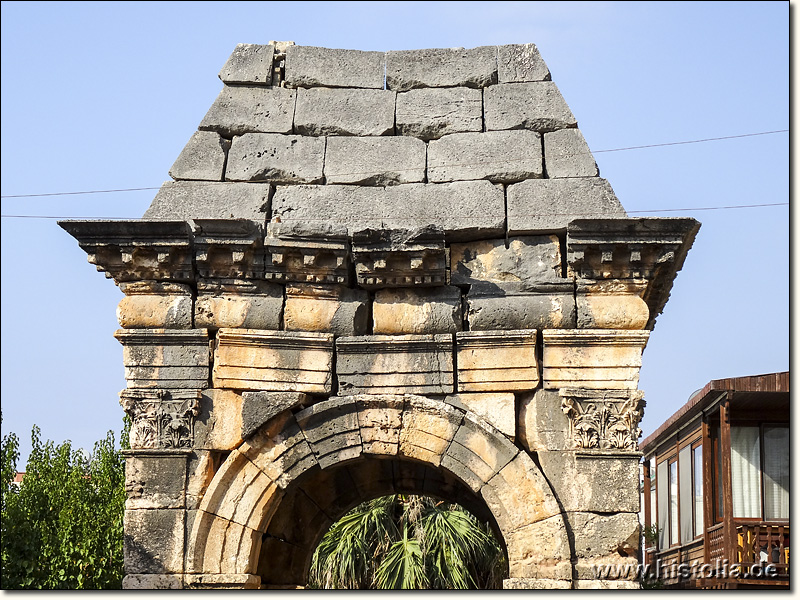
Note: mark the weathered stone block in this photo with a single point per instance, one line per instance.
(273, 361)
(222, 581)
(566, 154)
(400, 364)
(279, 159)
(517, 63)
(152, 582)
(538, 106)
(499, 156)
(604, 536)
(154, 304)
(426, 310)
(309, 66)
(441, 67)
(326, 308)
(199, 200)
(385, 160)
(219, 424)
(165, 358)
(492, 306)
(592, 358)
(529, 259)
(545, 205)
(249, 64)
(593, 482)
(496, 408)
(531, 583)
(260, 407)
(606, 584)
(400, 258)
(540, 550)
(331, 111)
(428, 428)
(258, 307)
(542, 423)
(200, 470)
(247, 109)
(611, 304)
(155, 479)
(380, 419)
(153, 541)
(496, 361)
(203, 158)
(429, 114)
(226, 252)
(464, 210)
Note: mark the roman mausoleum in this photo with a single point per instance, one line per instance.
(378, 273)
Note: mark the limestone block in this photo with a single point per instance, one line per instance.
(499, 156)
(152, 582)
(273, 361)
(309, 66)
(201, 467)
(203, 158)
(604, 537)
(431, 113)
(222, 581)
(408, 310)
(279, 159)
(538, 106)
(545, 205)
(326, 308)
(593, 482)
(380, 419)
(496, 408)
(540, 550)
(625, 569)
(155, 479)
(592, 358)
(249, 64)
(441, 67)
(152, 304)
(153, 541)
(260, 407)
(527, 259)
(518, 63)
(400, 364)
(542, 423)
(198, 200)
(219, 424)
(606, 584)
(385, 160)
(496, 361)
(259, 310)
(611, 304)
(566, 154)
(492, 306)
(428, 428)
(464, 210)
(332, 111)
(165, 358)
(531, 583)
(239, 110)
(332, 430)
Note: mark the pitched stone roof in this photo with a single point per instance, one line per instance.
(476, 141)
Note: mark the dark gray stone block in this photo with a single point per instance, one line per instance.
(384, 160)
(249, 64)
(260, 407)
(279, 159)
(538, 106)
(310, 66)
(566, 154)
(249, 109)
(181, 200)
(331, 111)
(441, 67)
(429, 114)
(518, 306)
(518, 63)
(203, 158)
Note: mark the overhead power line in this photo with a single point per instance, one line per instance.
(714, 139)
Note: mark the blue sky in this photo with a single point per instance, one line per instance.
(104, 95)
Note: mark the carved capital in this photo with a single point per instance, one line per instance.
(603, 419)
(161, 418)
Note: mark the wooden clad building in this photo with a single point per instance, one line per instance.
(716, 487)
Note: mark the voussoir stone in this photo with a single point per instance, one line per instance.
(430, 113)
(383, 160)
(566, 154)
(333, 111)
(310, 66)
(537, 105)
(249, 64)
(441, 67)
(248, 109)
(203, 157)
(260, 407)
(499, 156)
(547, 205)
(180, 200)
(280, 159)
(517, 63)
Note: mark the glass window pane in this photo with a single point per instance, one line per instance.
(686, 501)
(663, 505)
(776, 473)
(653, 519)
(746, 472)
(698, 490)
(673, 503)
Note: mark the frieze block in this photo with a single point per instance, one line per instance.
(305, 254)
(401, 258)
(161, 418)
(603, 419)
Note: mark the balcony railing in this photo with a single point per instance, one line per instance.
(763, 542)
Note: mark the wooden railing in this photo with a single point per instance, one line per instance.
(763, 542)
(716, 542)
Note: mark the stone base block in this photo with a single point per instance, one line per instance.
(606, 584)
(496, 361)
(605, 538)
(165, 358)
(222, 581)
(412, 311)
(148, 581)
(400, 364)
(329, 309)
(518, 306)
(153, 541)
(275, 361)
(529, 583)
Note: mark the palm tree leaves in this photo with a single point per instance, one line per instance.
(407, 542)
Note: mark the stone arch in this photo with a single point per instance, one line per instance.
(308, 468)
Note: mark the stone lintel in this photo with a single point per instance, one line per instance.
(496, 361)
(228, 248)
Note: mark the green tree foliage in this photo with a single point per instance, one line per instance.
(408, 542)
(62, 527)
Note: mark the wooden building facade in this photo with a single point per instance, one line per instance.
(716, 487)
